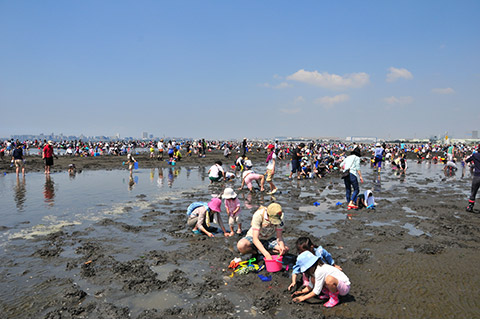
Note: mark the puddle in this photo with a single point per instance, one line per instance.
(408, 210)
(413, 231)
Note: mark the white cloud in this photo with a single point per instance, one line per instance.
(396, 74)
(281, 85)
(299, 100)
(443, 91)
(329, 102)
(398, 101)
(291, 111)
(330, 81)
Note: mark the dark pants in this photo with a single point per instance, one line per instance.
(349, 183)
(296, 166)
(475, 186)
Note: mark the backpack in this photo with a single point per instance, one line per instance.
(194, 206)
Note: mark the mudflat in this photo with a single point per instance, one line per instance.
(414, 256)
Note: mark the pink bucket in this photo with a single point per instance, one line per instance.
(275, 264)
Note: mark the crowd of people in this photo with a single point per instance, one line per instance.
(264, 237)
(321, 276)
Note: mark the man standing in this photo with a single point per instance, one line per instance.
(17, 158)
(244, 147)
(475, 157)
(47, 155)
(296, 157)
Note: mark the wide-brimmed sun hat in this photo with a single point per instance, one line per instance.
(215, 205)
(228, 193)
(275, 214)
(248, 163)
(306, 260)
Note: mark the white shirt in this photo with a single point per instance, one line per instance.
(321, 274)
(270, 164)
(215, 171)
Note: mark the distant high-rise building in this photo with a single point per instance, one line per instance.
(475, 134)
(145, 135)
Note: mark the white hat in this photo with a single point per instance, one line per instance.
(228, 193)
(378, 144)
(248, 163)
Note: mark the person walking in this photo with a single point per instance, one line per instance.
(18, 159)
(271, 159)
(475, 157)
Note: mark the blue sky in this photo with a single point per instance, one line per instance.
(234, 69)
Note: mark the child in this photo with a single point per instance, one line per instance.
(199, 215)
(130, 161)
(152, 152)
(248, 176)
(271, 159)
(232, 206)
(323, 278)
(305, 244)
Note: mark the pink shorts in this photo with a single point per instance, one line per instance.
(250, 178)
(343, 288)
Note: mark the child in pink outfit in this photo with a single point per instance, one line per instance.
(232, 206)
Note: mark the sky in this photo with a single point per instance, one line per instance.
(233, 69)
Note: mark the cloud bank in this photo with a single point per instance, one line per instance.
(331, 81)
(443, 91)
(396, 74)
(329, 102)
(398, 101)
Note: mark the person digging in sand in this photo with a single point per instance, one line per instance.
(200, 214)
(267, 222)
(323, 278)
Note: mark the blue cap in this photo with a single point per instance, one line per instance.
(306, 260)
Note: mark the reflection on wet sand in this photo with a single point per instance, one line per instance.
(131, 181)
(20, 192)
(49, 190)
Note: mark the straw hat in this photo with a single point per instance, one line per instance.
(50, 142)
(275, 214)
(228, 193)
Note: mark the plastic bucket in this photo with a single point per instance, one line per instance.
(275, 264)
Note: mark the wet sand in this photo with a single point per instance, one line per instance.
(415, 256)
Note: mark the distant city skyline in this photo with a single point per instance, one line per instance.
(224, 69)
(148, 136)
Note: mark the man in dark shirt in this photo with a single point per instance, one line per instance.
(296, 157)
(475, 157)
(17, 158)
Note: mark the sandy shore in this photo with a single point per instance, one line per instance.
(396, 271)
